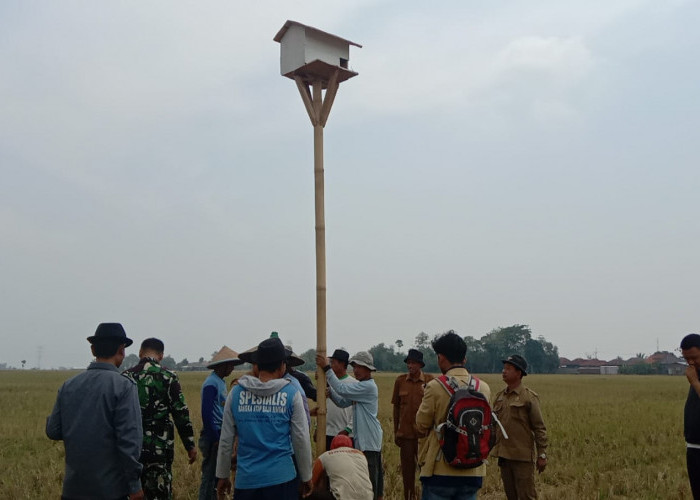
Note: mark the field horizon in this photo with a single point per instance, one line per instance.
(611, 436)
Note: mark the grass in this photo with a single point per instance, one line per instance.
(611, 437)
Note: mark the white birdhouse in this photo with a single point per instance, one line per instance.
(313, 54)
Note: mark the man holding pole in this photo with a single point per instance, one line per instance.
(363, 396)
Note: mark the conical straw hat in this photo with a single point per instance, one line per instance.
(225, 355)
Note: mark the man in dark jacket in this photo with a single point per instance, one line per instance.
(98, 418)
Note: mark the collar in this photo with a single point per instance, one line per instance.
(343, 377)
(516, 390)
(152, 360)
(457, 370)
(98, 365)
(421, 377)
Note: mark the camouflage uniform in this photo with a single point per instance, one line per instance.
(160, 396)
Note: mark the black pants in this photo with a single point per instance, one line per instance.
(692, 456)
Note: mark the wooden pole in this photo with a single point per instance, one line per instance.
(318, 109)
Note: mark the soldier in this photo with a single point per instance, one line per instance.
(160, 397)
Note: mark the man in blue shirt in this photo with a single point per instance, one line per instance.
(267, 415)
(363, 395)
(213, 399)
(98, 417)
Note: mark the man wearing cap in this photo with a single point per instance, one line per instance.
(266, 413)
(407, 396)
(98, 418)
(518, 409)
(363, 396)
(213, 399)
(341, 473)
(438, 478)
(161, 397)
(338, 420)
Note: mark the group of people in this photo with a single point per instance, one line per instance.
(420, 405)
(118, 429)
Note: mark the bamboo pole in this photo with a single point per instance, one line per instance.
(318, 107)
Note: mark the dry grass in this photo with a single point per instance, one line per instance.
(615, 437)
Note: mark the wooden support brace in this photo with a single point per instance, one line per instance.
(331, 91)
(306, 97)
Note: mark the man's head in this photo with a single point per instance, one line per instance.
(152, 348)
(341, 441)
(514, 369)
(224, 362)
(271, 357)
(362, 365)
(690, 349)
(414, 362)
(451, 350)
(339, 362)
(109, 343)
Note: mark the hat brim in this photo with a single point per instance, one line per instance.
(354, 362)
(523, 370)
(126, 340)
(295, 360)
(235, 361)
(422, 363)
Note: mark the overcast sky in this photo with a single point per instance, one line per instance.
(494, 163)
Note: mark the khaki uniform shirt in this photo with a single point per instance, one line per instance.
(408, 394)
(519, 413)
(432, 412)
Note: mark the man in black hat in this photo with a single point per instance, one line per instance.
(98, 417)
(408, 394)
(518, 409)
(338, 420)
(267, 414)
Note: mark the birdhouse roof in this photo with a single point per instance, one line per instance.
(289, 24)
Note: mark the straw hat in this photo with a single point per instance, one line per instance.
(293, 359)
(225, 355)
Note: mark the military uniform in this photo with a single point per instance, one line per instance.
(160, 397)
(519, 412)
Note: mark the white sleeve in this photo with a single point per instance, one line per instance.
(300, 438)
(228, 435)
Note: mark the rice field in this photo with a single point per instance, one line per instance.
(611, 437)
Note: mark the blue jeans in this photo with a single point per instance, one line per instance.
(207, 489)
(434, 492)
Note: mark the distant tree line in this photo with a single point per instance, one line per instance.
(484, 355)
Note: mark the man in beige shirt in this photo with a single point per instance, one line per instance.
(439, 479)
(518, 409)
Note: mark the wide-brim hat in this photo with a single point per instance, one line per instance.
(363, 358)
(110, 331)
(270, 351)
(415, 355)
(225, 355)
(293, 359)
(340, 355)
(247, 356)
(517, 361)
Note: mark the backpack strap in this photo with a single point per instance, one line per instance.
(474, 382)
(450, 384)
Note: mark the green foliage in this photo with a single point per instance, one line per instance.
(640, 369)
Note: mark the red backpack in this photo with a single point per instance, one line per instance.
(469, 431)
